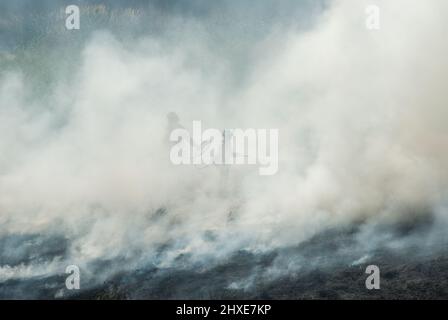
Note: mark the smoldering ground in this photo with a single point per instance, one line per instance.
(85, 176)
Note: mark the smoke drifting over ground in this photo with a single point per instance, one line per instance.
(85, 176)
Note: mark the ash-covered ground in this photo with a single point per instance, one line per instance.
(331, 265)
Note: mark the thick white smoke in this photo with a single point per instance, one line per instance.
(361, 116)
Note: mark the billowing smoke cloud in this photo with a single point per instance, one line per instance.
(361, 118)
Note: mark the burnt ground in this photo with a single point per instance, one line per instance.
(331, 265)
(399, 280)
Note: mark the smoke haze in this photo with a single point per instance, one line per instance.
(84, 155)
